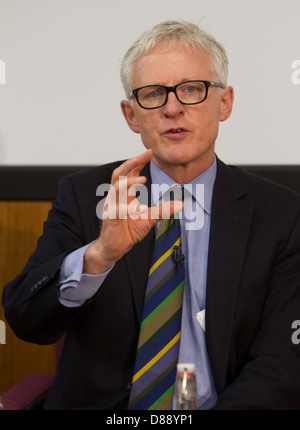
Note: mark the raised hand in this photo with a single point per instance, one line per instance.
(124, 222)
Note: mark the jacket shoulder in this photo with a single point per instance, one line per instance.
(262, 187)
(97, 174)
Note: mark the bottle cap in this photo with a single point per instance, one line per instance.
(188, 367)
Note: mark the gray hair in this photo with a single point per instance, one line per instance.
(168, 32)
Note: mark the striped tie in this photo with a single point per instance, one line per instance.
(158, 345)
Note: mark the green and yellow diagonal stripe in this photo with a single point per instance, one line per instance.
(158, 345)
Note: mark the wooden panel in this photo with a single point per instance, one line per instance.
(21, 224)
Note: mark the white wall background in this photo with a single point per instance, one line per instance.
(61, 100)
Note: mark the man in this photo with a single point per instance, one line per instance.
(242, 267)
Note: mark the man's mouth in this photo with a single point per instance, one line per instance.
(175, 132)
(178, 130)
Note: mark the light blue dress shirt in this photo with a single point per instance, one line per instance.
(76, 287)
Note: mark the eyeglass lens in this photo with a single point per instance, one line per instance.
(188, 93)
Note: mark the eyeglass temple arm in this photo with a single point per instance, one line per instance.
(216, 84)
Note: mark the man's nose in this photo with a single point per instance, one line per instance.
(173, 107)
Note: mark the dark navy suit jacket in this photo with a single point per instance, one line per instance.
(253, 297)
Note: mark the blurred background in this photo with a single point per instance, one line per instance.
(61, 101)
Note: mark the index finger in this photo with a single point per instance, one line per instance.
(133, 166)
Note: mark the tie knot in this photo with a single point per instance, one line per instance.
(165, 226)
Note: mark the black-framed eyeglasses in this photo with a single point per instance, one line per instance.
(187, 93)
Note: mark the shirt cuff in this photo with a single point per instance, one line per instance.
(75, 287)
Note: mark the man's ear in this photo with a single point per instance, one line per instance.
(226, 104)
(129, 115)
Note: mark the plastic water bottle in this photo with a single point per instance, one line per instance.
(186, 387)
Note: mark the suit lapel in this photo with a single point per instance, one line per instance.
(139, 258)
(230, 226)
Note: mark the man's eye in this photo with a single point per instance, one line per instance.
(151, 93)
(189, 89)
(154, 93)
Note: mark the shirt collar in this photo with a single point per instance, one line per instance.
(207, 178)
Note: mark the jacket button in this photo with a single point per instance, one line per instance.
(35, 287)
(39, 284)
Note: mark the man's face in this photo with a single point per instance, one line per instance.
(192, 148)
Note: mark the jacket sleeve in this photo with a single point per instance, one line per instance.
(30, 301)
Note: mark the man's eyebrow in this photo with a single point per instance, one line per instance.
(181, 82)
